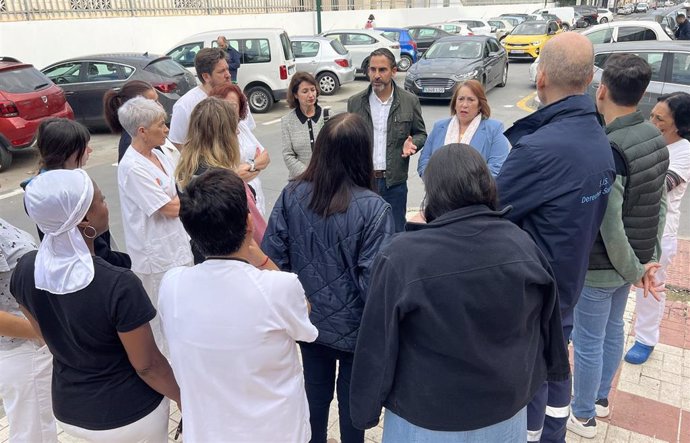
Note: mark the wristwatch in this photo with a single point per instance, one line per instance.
(252, 165)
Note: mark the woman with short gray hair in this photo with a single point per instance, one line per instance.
(156, 239)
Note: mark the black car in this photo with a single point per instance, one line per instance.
(590, 14)
(86, 79)
(425, 36)
(452, 60)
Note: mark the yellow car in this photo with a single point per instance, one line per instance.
(527, 39)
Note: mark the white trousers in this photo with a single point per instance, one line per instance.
(152, 283)
(649, 311)
(25, 380)
(151, 429)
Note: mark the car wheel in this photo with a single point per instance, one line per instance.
(260, 99)
(603, 20)
(328, 83)
(365, 68)
(5, 158)
(565, 26)
(504, 79)
(404, 63)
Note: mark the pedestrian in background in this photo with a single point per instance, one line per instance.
(26, 364)
(254, 157)
(469, 123)
(327, 226)
(671, 116)
(393, 118)
(110, 381)
(155, 238)
(252, 387)
(233, 57)
(683, 31)
(554, 178)
(414, 353)
(371, 22)
(301, 126)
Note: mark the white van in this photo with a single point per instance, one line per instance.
(266, 57)
(565, 13)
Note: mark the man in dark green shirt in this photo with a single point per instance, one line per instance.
(626, 250)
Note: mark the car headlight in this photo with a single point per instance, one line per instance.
(466, 75)
(536, 43)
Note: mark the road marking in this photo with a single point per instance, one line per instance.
(11, 194)
(508, 106)
(522, 104)
(270, 122)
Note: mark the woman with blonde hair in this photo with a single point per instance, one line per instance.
(212, 143)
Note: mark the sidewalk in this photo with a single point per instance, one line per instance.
(649, 403)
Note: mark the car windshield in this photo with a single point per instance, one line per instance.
(530, 29)
(468, 50)
(338, 47)
(23, 80)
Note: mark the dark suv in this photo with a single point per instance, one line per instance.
(26, 98)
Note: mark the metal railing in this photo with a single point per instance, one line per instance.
(18, 10)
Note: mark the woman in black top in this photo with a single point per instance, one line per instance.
(109, 378)
(461, 325)
(64, 144)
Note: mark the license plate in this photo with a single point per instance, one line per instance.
(517, 51)
(433, 90)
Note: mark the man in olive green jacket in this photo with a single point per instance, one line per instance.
(394, 117)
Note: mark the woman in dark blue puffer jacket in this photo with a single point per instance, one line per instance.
(327, 227)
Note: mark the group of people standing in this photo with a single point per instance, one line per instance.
(456, 322)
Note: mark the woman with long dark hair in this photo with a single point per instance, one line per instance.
(462, 325)
(327, 226)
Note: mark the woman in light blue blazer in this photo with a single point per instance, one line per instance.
(469, 123)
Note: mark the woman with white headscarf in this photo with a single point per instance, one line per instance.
(109, 378)
(156, 239)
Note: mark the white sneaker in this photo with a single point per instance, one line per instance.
(587, 429)
(602, 407)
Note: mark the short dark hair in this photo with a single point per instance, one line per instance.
(681, 15)
(57, 139)
(342, 160)
(213, 211)
(206, 59)
(457, 176)
(112, 100)
(386, 53)
(626, 76)
(679, 105)
(297, 80)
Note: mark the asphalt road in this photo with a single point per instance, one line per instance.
(507, 105)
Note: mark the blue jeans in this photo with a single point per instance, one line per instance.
(598, 339)
(396, 196)
(319, 380)
(396, 429)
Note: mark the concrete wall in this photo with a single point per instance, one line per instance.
(47, 41)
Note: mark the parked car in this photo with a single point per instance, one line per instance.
(626, 9)
(26, 98)
(455, 59)
(478, 26)
(566, 15)
(626, 31)
(670, 62)
(425, 36)
(361, 42)
(666, 18)
(641, 7)
(589, 13)
(527, 39)
(327, 60)
(514, 21)
(580, 21)
(605, 15)
(266, 56)
(455, 28)
(86, 79)
(516, 16)
(408, 47)
(503, 27)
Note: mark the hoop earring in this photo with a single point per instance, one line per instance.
(92, 236)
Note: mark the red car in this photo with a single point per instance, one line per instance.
(26, 98)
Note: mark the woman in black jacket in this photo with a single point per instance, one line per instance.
(327, 226)
(461, 325)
